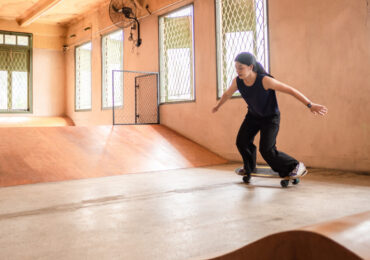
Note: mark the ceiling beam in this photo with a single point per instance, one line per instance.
(37, 10)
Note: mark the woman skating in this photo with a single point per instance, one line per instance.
(258, 88)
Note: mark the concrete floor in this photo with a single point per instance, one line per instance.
(178, 214)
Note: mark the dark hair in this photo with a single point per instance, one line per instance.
(248, 59)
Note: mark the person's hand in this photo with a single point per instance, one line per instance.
(318, 109)
(215, 109)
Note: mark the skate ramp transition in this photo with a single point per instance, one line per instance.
(48, 154)
(346, 238)
(31, 121)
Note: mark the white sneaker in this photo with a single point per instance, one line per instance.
(299, 171)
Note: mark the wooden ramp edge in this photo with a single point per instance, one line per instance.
(49, 154)
(32, 121)
(346, 238)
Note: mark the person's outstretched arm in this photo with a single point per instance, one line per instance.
(228, 94)
(271, 83)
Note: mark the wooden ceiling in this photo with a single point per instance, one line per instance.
(60, 12)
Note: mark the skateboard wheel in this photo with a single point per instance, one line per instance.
(246, 178)
(295, 181)
(284, 183)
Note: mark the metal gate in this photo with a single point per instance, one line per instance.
(135, 97)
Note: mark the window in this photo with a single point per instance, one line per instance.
(112, 57)
(15, 67)
(176, 56)
(83, 77)
(241, 26)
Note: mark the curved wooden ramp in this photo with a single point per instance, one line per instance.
(32, 121)
(346, 238)
(49, 154)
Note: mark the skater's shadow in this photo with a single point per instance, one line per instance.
(255, 185)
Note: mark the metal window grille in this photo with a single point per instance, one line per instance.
(177, 56)
(15, 67)
(140, 104)
(241, 25)
(83, 77)
(112, 56)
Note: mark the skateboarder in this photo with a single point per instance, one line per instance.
(257, 88)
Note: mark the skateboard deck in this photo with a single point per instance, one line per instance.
(267, 172)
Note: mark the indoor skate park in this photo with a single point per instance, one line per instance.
(110, 150)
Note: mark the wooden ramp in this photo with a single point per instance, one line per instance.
(49, 154)
(345, 238)
(32, 121)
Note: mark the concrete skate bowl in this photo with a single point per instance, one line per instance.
(346, 238)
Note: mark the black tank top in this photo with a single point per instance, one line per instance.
(261, 102)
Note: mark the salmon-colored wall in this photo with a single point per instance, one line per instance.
(48, 82)
(195, 120)
(321, 48)
(97, 21)
(48, 68)
(134, 59)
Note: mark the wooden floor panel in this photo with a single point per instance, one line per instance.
(48, 154)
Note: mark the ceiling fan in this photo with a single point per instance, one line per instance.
(123, 13)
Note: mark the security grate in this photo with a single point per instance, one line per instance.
(15, 66)
(83, 77)
(177, 55)
(241, 26)
(112, 55)
(140, 97)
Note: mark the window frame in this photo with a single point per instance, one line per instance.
(217, 43)
(193, 100)
(75, 88)
(30, 69)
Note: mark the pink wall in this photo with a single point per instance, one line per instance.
(100, 24)
(143, 59)
(319, 47)
(48, 82)
(322, 48)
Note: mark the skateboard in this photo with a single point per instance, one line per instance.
(267, 172)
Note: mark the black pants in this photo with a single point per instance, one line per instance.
(269, 128)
